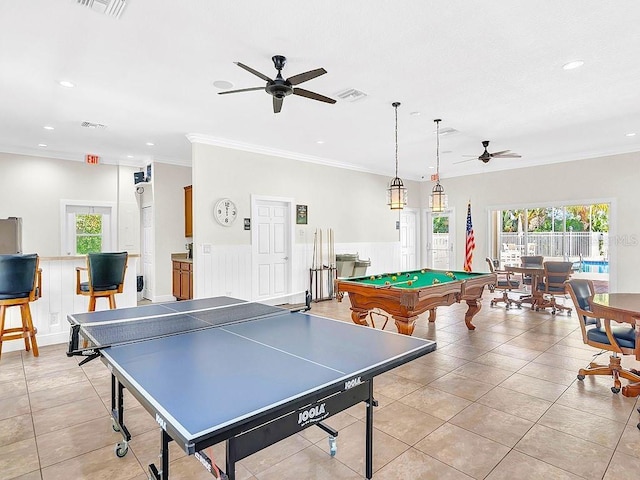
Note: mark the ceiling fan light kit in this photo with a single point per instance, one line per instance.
(396, 193)
(438, 199)
(279, 88)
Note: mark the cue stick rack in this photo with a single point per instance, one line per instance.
(323, 266)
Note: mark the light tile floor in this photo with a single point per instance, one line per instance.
(500, 402)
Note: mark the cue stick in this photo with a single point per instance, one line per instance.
(321, 267)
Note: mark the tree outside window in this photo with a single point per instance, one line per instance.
(88, 233)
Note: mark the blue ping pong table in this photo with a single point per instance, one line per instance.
(222, 369)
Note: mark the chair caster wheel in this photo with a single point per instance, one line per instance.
(581, 377)
(615, 390)
(121, 449)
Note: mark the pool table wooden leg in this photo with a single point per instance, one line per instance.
(360, 317)
(474, 307)
(405, 325)
(432, 315)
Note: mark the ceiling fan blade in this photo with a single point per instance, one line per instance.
(497, 154)
(277, 105)
(508, 155)
(255, 72)
(474, 156)
(312, 95)
(464, 161)
(241, 90)
(306, 76)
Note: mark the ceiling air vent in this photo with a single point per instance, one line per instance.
(351, 95)
(92, 125)
(111, 8)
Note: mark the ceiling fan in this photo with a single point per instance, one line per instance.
(486, 156)
(279, 88)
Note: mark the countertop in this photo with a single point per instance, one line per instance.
(181, 257)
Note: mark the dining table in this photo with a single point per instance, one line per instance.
(536, 298)
(622, 308)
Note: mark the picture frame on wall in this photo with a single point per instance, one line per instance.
(301, 214)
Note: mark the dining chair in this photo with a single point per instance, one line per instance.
(504, 283)
(554, 284)
(601, 334)
(105, 277)
(20, 284)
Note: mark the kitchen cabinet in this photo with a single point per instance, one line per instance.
(188, 212)
(182, 280)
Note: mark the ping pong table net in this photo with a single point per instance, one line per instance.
(95, 336)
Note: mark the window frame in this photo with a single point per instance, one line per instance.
(68, 211)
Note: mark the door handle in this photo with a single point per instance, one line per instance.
(285, 258)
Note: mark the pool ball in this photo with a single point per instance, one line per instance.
(408, 275)
(435, 280)
(394, 278)
(449, 274)
(415, 277)
(372, 277)
(387, 282)
(409, 282)
(379, 277)
(453, 277)
(422, 271)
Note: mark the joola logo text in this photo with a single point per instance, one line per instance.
(352, 383)
(161, 421)
(312, 415)
(203, 461)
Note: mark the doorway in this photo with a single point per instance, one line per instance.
(441, 240)
(271, 246)
(409, 239)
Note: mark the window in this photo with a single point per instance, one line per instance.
(88, 227)
(569, 231)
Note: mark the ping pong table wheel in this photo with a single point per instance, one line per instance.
(333, 445)
(121, 449)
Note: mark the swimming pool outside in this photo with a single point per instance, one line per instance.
(595, 266)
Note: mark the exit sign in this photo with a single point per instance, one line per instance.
(92, 159)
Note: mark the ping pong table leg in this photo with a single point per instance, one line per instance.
(163, 474)
(371, 403)
(231, 459)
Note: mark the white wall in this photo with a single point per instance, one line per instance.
(32, 187)
(350, 202)
(613, 178)
(168, 193)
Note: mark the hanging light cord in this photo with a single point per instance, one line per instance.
(396, 105)
(437, 150)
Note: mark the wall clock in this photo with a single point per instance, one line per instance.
(225, 212)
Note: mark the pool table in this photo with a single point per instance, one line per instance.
(405, 295)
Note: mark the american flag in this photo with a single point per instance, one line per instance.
(471, 242)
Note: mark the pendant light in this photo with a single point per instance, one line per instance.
(438, 199)
(396, 193)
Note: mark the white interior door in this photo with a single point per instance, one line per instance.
(441, 240)
(271, 246)
(147, 252)
(409, 239)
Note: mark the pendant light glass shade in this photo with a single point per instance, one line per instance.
(396, 193)
(438, 199)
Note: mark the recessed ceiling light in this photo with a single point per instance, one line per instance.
(149, 144)
(320, 142)
(572, 65)
(223, 84)
(43, 145)
(431, 168)
(631, 134)
(48, 127)
(66, 84)
(415, 114)
(129, 156)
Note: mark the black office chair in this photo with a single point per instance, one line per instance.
(20, 284)
(504, 283)
(106, 277)
(599, 333)
(555, 276)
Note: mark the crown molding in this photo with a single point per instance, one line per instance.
(274, 152)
